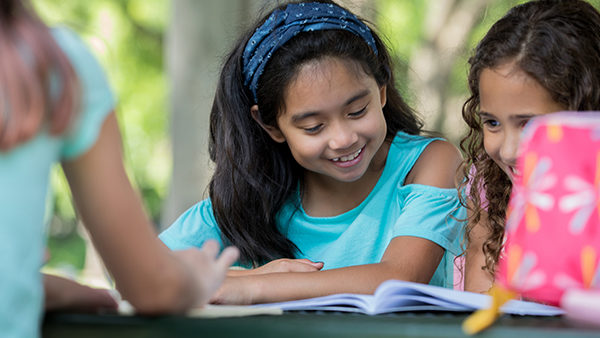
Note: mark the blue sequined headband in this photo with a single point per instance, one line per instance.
(281, 26)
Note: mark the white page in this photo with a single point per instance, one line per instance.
(467, 299)
(361, 302)
(397, 301)
(400, 296)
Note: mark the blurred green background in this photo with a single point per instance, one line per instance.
(128, 37)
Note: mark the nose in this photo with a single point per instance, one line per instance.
(508, 152)
(342, 136)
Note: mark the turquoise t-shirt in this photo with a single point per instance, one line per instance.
(24, 192)
(361, 235)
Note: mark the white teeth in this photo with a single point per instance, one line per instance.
(349, 157)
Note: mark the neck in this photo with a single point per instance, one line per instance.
(326, 197)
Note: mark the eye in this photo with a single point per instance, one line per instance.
(490, 123)
(313, 129)
(358, 113)
(524, 123)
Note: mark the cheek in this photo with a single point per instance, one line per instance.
(305, 149)
(376, 125)
(491, 145)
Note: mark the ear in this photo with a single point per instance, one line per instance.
(383, 95)
(274, 132)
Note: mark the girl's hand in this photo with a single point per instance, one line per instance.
(280, 265)
(208, 270)
(64, 294)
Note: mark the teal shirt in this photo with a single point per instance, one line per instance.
(361, 235)
(24, 193)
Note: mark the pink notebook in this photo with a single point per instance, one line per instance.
(553, 227)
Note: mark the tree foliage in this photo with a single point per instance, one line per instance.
(127, 38)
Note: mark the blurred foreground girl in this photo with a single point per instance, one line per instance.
(55, 105)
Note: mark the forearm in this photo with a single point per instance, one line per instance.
(476, 279)
(146, 272)
(239, 272)
(64, 294)
(143, 267)
(362, 279)
(406, 258)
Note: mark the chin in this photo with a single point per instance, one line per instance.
(353, 178)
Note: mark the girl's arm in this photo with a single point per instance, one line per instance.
(146, 272)
(476, 279)
(64, 294)
(406, 258)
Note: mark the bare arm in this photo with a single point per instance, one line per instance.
(406, 258)
(150, 276)
(64, 294)
(476, 279)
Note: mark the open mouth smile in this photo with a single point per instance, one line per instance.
(514, 172)
(348, 157)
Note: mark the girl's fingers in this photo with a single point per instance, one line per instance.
(98, 298)
(304, 260)
(305, 268)
(211, 248)
(318, 265)
(229, 256)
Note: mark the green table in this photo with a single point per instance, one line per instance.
(305, 324)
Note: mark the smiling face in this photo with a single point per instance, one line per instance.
(332, 120)
(509, 98)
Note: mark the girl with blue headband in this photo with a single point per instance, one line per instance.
(320, 169)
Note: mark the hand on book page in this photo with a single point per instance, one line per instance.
(401, 296)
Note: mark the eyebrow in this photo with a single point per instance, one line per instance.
(519, 116)
(300, 116)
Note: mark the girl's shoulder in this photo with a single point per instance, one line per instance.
(76, 50)
(435, 162)
(407, 146)
(97, 100)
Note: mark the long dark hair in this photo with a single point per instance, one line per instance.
(28, 56)
(254, 176)
(555, 42)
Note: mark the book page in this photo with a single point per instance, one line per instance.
(223, 311)
(469, 300)
(347, 302)
(401, 296)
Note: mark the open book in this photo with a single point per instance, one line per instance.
(400, 296)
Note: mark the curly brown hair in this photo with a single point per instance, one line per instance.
(555, 42)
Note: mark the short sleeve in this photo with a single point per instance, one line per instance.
(431, 213)
(192, 228)
(97, 100)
